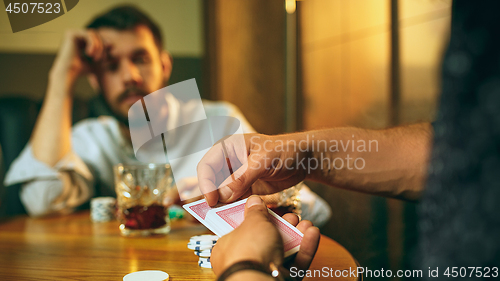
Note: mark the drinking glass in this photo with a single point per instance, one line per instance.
(140, 190)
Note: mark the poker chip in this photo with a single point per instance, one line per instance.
(211, 244)
(102, 209)
(201, 259)
(150, 275)
(203, 242)
(200, 247)
(205, 264)
(204, 237)
(205, 254)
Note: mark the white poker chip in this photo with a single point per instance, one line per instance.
(204, 237)
(103, 200)
(149, 275)
(203, 242)
(204, 254)
(205, 264)
(200, 247)
(203, 251)
(202, 259)
(208, 246)
(102, 209)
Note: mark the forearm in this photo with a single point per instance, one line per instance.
(51, 137)
(391, 162)
(249, 275)
(55, 196)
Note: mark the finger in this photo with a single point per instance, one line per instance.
(247, 194)
(219, 178)
(206, 183)
(308, 248)
(210, 192)
(255, 208)
(304, 225)
(293, 219)
(89, 44)
(98, 46)
(239, 182)
(257, 216)
(212, 198)
(207, 170)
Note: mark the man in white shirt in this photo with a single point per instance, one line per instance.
(122, 54)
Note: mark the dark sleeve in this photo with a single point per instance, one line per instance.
(459, 214)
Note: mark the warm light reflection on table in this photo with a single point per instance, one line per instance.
(72, 247)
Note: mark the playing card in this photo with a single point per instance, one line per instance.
(227, 217)
(199, 210)
(291, 236)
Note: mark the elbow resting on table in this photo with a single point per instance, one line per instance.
(53, 196)
(37, 196)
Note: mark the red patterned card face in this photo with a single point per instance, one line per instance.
(201, 209)
(233, 216)
(291, 236)
(224, 219)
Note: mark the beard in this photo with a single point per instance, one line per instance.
(121, 117)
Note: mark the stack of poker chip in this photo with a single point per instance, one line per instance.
(202, 246)
(102, 209)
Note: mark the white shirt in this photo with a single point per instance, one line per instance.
(98, 145)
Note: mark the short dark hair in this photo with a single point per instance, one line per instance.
(126, 18)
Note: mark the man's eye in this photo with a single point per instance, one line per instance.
(140, 60)
(112, 66)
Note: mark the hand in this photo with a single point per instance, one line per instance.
(258, 239)
(80, 49)
(273, 160)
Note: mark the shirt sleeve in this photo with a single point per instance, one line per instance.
(46, 189)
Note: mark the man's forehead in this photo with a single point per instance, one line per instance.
(122, 42)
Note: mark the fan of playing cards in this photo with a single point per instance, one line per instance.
(222, 219)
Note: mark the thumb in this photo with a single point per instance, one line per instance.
(240, 181)
(257, 216)
(255, 207)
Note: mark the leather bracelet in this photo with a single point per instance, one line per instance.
(243, 265)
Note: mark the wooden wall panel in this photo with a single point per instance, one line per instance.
(424, 29)
(345, 62)
(345, 83)
(249, 54)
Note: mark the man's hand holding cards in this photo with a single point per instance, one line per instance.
(255, 234)
(222, 219)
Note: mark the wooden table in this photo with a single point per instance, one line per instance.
(74, 248)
